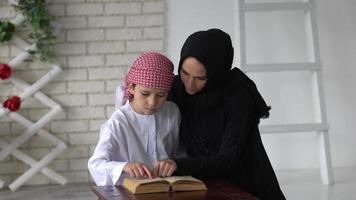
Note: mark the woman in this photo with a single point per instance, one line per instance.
(221, 109)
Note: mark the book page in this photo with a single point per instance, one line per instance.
(140, 181)
(173, 179)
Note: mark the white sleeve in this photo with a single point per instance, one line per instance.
(102, 168)
(119, 99)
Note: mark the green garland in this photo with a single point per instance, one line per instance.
(7, 30)
(38, 25)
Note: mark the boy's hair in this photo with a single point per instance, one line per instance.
(152, 70)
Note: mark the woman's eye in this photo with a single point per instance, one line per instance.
(144, 94)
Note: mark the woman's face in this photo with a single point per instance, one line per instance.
(193, 75)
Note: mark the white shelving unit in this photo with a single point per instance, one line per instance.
(320, 126)
(32, 128)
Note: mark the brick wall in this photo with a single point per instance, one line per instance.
(99, 39)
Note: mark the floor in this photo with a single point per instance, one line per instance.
(296, 184)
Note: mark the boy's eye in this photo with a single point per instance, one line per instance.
(161, 95)
(144, 94)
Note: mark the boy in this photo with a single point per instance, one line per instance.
(141, 136)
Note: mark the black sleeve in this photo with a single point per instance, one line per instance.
(239, 121)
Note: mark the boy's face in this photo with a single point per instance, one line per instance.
(145, 100)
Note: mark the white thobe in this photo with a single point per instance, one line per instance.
(131, 137)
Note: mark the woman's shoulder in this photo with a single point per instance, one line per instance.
(237, 92)
(170, 109)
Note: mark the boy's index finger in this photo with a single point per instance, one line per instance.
(148, 172)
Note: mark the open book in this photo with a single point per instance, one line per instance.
(172, 183)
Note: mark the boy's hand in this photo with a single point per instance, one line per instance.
(165, 168)
(138, 170)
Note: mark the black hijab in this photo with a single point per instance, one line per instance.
(213, 48)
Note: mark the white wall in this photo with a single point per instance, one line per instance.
(99, 40)
(279, 37)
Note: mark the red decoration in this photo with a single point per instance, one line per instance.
(13, 103)
(5, 71)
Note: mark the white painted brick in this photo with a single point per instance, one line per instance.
(17, 129)
(59, 165)
(38, 179)
(4, 50)
(5, 129)
(86, 86)
(85, 35)
(153, 33)
(6, 168)
(6, 90)
(123, 8)
(153, 7)
(36, 153)
(123, 34)
(77, 176)
(72, 22)
(141, 46)
(61, 37)
(37, 141)
(86, 113)
(70, 49)
(73, 74)
(101, 99)
(14, 51)
(69, 126)
(121, 60)
(75, 152)
(19, 167)
(144, 20)
(54, 88)
(91, 149)
(71, 100)
(33, 103)
(62, 136)
(85, 9)
(95, 124)
(85, 61)
(78, 139)
(61, 61)
(66, 1)
(78, 164)
(56, 10)
(106, 47)
(106, 73)
(110, 110)
(112, 85)
(37, 114)
(106, 21)
(7, 179)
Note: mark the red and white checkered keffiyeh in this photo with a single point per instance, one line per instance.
(152, 70)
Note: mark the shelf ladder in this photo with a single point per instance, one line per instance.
(321, 126)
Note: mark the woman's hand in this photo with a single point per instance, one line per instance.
(138, 170)
(165, 168)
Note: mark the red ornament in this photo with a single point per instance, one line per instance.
(5, 71)
(13, 103)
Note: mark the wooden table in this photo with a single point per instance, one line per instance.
(216, 191)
